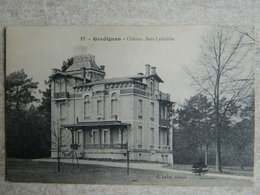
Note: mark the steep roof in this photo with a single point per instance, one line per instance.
(65, 75)
(84, 61)
(122, 79)
(87, 65)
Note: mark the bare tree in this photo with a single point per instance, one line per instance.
(224, 72)
(58, 139)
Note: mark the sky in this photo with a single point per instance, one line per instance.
(39, 49)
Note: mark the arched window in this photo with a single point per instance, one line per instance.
(87, 108)
(114, 104)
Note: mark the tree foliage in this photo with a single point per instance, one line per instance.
(67, 64)
(27, 128)
(195, 133)
(45, 105)
(239, 140)
(194, 129)
(224, 73)
(19, 90)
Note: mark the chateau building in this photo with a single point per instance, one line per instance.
(105, 118)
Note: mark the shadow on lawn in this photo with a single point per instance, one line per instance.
(235, 170)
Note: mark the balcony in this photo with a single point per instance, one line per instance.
(164, 122)
(61, 95)
(165, 147)
(105, 146)
(163, 96)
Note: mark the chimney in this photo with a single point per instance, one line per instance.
(147, 69)
(153, 70)
(102, 67)
(54, 70)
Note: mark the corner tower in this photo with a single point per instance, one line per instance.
(85, 66)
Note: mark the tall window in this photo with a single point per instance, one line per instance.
(152, 136)
(87, 108)
(160, 137)
(140, 107)
(79, 137)
(140, 137)
(106, 137)
(162, 112)
(152, 109)
(95, 137)
(99, 107)
(114, 104)
(61, 85)
(165, 113)
(124, 135)
(62, 110)
(163, 137)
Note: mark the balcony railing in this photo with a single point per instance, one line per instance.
(164, 96)
(164, 122)
(61, 95)
(105, 146)
(165, 147)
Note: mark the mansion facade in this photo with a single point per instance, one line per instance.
(101, 118)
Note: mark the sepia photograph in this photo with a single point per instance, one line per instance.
(130, 105)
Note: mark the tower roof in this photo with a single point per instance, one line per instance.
(83, 60)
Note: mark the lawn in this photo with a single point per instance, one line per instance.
(228, 170)
(46, 172)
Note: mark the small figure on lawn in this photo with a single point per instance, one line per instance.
(199, 166)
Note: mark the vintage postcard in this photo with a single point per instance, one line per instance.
(130, 105)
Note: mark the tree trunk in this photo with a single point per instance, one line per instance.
(218, 156)
(58, 156)
(206, 154)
